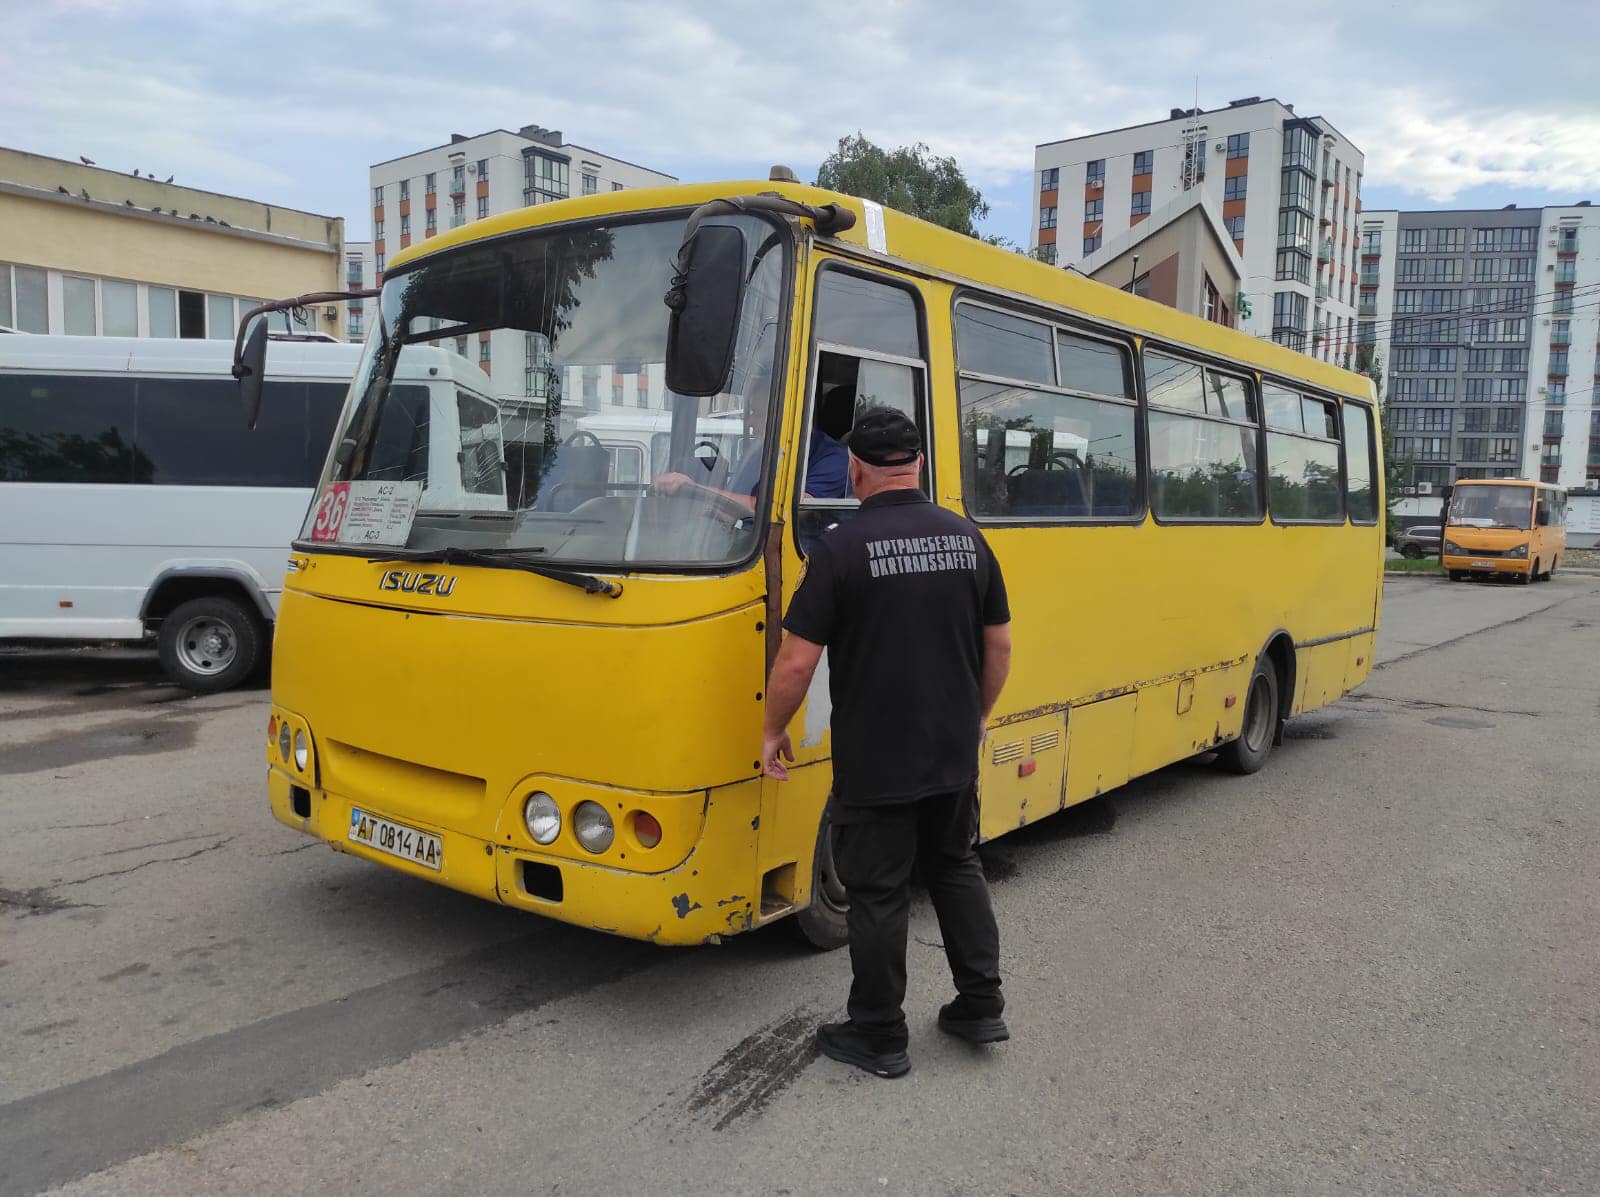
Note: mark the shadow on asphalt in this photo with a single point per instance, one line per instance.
(88, 671)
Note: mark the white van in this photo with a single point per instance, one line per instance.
(134, 502)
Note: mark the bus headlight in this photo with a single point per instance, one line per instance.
(283, 740)
(593, 826)
(302, 752)
(1520, 551)
(542, 817)
(1451, 546)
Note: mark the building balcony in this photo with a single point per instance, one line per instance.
(1367, 307)
(1560, 340)
(1325, 250)
(458, 187)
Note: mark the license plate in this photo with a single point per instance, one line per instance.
(1483, 565)
(397, 839)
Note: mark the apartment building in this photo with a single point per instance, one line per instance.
(89, 251)
(1288, 186)
(360, 274)
(1485, 323)
(469, 178)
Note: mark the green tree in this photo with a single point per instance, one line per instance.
(910, 179)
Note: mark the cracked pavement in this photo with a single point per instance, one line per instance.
(1370, 967)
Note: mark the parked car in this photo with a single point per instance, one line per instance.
(1420, 540)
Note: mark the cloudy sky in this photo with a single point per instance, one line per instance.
(1457, 103)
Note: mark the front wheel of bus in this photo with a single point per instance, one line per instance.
(209, 644)
(822, 924)
(1249, 752)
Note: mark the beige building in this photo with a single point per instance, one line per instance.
(1181, 255)
(89, 251)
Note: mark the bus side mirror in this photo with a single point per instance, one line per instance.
(250, 369)
(706, 291)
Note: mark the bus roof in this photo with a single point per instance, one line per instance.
(934, 250)
(162, 355)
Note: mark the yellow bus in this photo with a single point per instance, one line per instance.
(555, 702)
(1505, 526)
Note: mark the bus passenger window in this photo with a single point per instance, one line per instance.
(1360, 498)
(1034, 453)
(1203, 450)
(1302, 457)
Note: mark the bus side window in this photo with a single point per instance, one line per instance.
(869, 354)
(1360, 457)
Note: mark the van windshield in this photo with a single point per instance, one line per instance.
(1492, 507)
(554, 434)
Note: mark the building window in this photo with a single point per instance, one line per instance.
(458, 212)
(1449, 241)
(1235, 225)
(483, 168)
(433, 220)
(483, 206)
(1046, 254)
(1094, 209)
(1090, 244)
(1194, 161)
(377, 230)
(428, 184)
(1140, 205)
(1047, 218)
(458, 179)
(405, 189)
(483, 352)
(1413, 241)
(1503, 239)
(1372, 242)
(1293, 266)
(377, 197)
(1234, 188)
(1296, 191)
(1050, 179)
(1238, 145)
(1143, 162)
(591, 184)
(1095, 172)
(405, 226)
(1567, 240)
(616, 186)
(377, 262)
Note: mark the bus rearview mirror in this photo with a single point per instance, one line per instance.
(704, 297)
(251, 369)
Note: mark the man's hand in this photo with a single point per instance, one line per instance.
(671, 484)
(774, 751)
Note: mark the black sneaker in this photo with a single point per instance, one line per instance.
(841, 1041)
(955, 1018)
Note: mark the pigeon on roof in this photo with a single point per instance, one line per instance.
(85, 161)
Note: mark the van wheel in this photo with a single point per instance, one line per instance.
(1411, 552)
(1250, 751)
(822, 924)
(209, 644)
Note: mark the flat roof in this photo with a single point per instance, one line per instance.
(532, 142)
(1203, 112)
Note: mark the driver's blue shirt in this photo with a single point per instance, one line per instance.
(827, 471)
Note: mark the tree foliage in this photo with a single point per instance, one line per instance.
(910, 179)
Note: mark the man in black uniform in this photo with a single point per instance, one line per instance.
(909, 602)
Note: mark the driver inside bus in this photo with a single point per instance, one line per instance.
(827, 462)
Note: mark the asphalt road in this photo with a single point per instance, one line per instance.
(1370, 968)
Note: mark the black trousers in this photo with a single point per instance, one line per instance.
(874, 848)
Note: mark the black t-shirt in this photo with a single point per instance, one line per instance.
(900, 594)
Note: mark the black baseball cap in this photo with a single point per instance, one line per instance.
(883, 436)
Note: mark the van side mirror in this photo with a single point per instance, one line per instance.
(250, 369)
(705, 295)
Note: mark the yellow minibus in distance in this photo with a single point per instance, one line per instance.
(555, 702)
(1510, 527)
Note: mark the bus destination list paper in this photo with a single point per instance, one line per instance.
(366, 512)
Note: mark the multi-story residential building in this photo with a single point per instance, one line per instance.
(1289, 188)
(90, 251)
(360, 274)
(416, 196)
(1485, 325)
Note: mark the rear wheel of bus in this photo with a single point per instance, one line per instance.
(822, 924)
(210, 644)
(1250, 751)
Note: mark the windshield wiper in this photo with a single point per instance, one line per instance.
(587, 583)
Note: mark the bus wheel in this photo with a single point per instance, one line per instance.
(1532, 575)
(1249, 752)
(822, 924)
(1457, 575)
(1551, 572)
(209, 644)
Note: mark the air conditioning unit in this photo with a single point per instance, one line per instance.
(1551, 243)
(472, 168)
(1543, 390)
(1221, 147)
(1424, 488)
(1545, 322)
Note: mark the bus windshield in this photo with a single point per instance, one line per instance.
(568, 326)
(1492, 507)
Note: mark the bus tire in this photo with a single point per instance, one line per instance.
(209, 644)
(1551, 572)
(1532, 575)
(1261, 713)
(822, 923)
(1457, 575)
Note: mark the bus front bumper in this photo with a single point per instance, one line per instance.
(1467, 563)
(714, 892)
